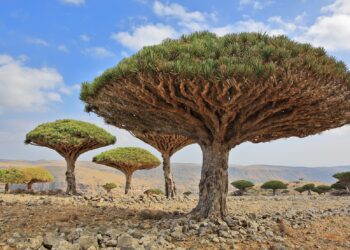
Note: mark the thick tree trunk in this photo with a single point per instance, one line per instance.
(308, 192)
(70, 176)
(347, 188)
(6, 188)
(29, 185)
(273, 192)
(213, 186)
(170, 189)
(128, 183)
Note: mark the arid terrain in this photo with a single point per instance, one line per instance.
(140, 222)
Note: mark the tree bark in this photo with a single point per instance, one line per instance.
(308, 192)
(273, 192)
(213, 187)
(29, 185)
(128, 183)
(6, 188)
(70, 176)
(170, 189)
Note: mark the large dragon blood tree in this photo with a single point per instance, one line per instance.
(221, 92)
(127, 160)
(167, 145)
(70, 139)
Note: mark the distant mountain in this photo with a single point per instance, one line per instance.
(92, 176)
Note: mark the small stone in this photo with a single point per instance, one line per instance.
(86, 242)
(127, 242)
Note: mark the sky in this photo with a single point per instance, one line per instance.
(48, 48)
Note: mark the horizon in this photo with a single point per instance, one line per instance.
(45, 55)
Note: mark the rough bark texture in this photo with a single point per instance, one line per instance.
(213, 186)
(29, 185)
(70, 176)
(128, 182)
(170, 189)
(308, 192)
(7, 188)
(274, 192)
(167, 145)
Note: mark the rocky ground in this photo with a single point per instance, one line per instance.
(140, 222)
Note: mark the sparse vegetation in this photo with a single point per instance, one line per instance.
(242, 185)
(127, 160)
(300, 190)
(109, 186)
(70, 139)
(153, 191)
(187, 193)
(274, 185)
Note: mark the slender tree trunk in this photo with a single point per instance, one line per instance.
(128, 183)
(6, 188)
(213, 186)
(347, 188)
(308, 192)
(70, 176)
(170, 189)
(29, 185)
(273, 192)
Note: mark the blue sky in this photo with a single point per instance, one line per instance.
(47, 48)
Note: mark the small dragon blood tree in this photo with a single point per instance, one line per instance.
(274, 185)
(343, 179)
(69, 138)
(127, 160)
(221, 92)
(11, 176)
(36, 175)
(167, 145)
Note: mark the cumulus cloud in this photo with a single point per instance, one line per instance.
(98, 52)
(144, 35)
(332, 29)
(63, 48)
(85, 38)
(25, 88)
(73, 2)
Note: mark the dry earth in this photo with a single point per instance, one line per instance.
(140, 222)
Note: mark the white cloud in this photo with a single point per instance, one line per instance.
(332, 30)
(63, 48)
(144, 35)
(191, 20)
(73, 2)
(98, 52)
(25, 88)
(38, 41)
(255, 4)
(85, 38)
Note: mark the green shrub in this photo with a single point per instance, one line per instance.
(187, 193)
(344, 179)
(308, 187)
(242, 185)
(153, 191)
(321, 189)
(299, 190)
(109, 186)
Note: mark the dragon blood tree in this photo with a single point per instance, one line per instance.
(11, 176)
(36, 175)
(127, 160)
(221, 92)
(69, 138)
(343, 179)
(167, 145)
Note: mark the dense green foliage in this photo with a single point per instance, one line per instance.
(343, 177)
(36, 175)
(338, 186)
(299, 190)
(204, 55)
(69, 132)
(321, 189)
(109, 186)
(127, 156)
(274, 185)
(154, 191)
(11, 176)
(308, 187)
(242, 185)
